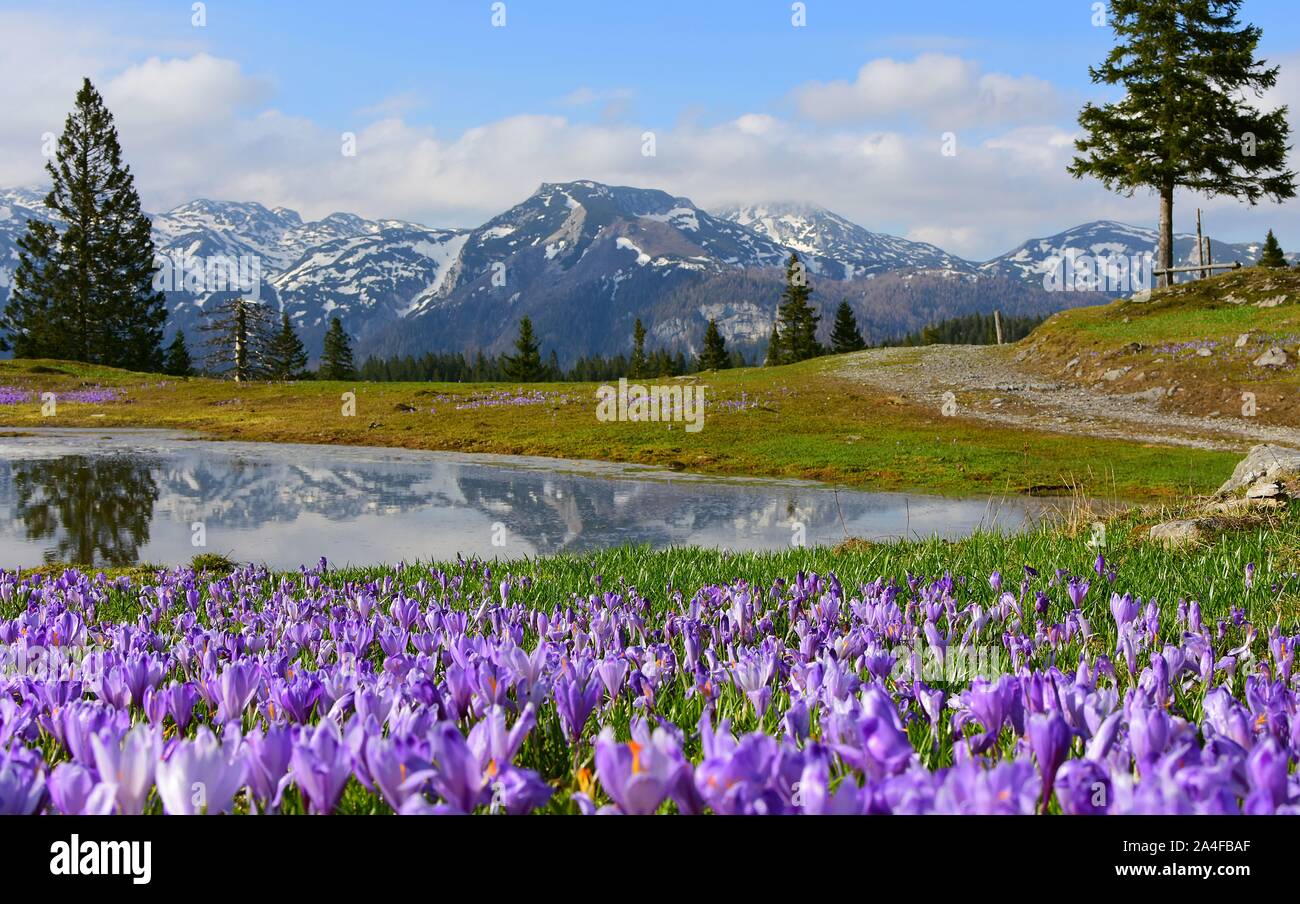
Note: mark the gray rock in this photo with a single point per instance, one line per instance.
(1265, 489)
(1271, 302)
(1262, 462)
(1177, 533)
(1243, 340)
(1274, 357)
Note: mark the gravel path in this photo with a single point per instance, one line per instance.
(986, 383)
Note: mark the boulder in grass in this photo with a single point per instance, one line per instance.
(1274, 357)
(1177, 533)
(1264, 465)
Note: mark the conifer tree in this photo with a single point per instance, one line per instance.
(336, 355)
(286, 359)
(85, 292)
(1272, 255)
(1188, 69)
(798, 320)
(525, 365)
(239, 337)
(177, 361)
(638, 366)
(714, 354)
(845, 336)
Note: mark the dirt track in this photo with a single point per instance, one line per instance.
(987, 384)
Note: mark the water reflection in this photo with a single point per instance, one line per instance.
(94, 510)
(82, 496)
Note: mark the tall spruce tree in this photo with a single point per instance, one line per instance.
(336, 355)
(1187, 68)
(845, 336)
(176, 359)
(1271, 255)
(525, 365)
(286, 359)
(714, 354)
(798, 320)
(86, 292)
(239, 338)
(638, 367)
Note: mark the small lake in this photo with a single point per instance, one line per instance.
(127, 496)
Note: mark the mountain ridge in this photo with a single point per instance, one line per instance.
(584, 260)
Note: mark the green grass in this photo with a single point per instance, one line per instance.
(1158, 341)
(807, 422)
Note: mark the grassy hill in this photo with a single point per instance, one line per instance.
(1194, 344)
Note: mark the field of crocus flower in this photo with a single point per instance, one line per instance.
(1019, 674)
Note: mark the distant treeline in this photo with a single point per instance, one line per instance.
(454, 367)
(973, 329)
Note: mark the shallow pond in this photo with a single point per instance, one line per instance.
(127, 496)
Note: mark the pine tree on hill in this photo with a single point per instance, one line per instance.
(638, 366)
(177, 361)
(86, 293)
(1187, 68)
(714, 354)
(845, 336)
(286, 358)
(1271, 255)
(239, 337)
(336, 356)
(525, 365)
(798, 320)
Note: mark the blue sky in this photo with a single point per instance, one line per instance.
(456, 118)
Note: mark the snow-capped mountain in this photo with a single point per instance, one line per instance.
(1106, 238)
(583, 260)
(17, 206)
(367, 280)
(853, 251)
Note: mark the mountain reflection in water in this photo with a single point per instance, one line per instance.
(136, 496)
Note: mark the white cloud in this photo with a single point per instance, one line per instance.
(194, 125)
(934, 88)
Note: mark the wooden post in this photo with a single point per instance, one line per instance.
(1200, 245)
(997, 325)
(1206, 259)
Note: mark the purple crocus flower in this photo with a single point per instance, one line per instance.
(1078, 591)
(1267, 768)
(202, 775)
(74, 792)
(1123, 609)
(22, 781)
(456, 774)
(127, 762)
(320, 765)
(234, 689)
(391, 763)
(636, 776)
(576, 695)
(1049, 736)
(268, 754)
(1082, 788)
